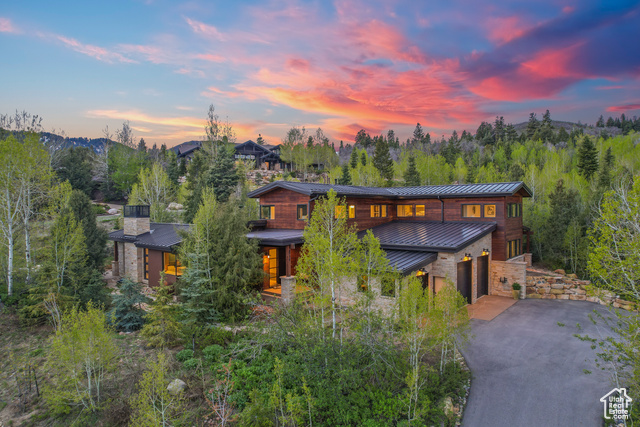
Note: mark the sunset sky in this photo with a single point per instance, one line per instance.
(341, 66)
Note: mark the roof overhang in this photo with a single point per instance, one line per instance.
(277, 237)
(406, 262)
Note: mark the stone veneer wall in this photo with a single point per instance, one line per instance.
(133, 263)
(136, 226)
(514, 270)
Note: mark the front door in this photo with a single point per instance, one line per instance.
(483, 276)
(270, 266)
(464, 280)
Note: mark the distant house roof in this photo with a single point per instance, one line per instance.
(405, 262)
(186, 148)
(430, 236)
(428, 191)
(162, 237)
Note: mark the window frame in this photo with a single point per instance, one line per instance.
(480, 205)
(177, 265)
(382, 211)
(405, 216)
(424, 210)
(517, 208)
(350, 209)
(272, 212)
(514, 245)
(484, 210)
(306, 212)
(146, 263)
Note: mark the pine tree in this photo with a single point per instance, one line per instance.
(600, 122)
(532, 126)
(587, 158)
(382, 160)
(604, 178)
(127, 313)
(418, 136)
(353, 162)
(610, 122)
(162, 328)
(411, 175)
(346, 175)
(363, 158)
(260, 140)
(222, 176)
(95, 238)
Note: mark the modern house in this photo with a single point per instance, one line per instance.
(267, 157)
(471, 234)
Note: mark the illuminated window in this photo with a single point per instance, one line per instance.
(267, 212)
(489, 211)
(172, 264)
(405, 211)
(302, 212)
(471, 211)
(146, 264)
(514, 248)
(378, 211)
(420, 210)
(341, 210)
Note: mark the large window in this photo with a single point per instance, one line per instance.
(514, 248)
(514, 210)
(302, 212)
(172, 264)
(378, 211)
(471, 211)
(146, 264)
(420, 210)
(405, 211)
(267, 212)
(341, 210)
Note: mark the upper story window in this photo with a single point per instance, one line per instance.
(471, 211)
(172, 264)
(420, 210)
(267, 212)
(378, 211)
(514, 248)
(489, 211)
(342, 210)
(302, 212)
(514, 210)
(405, 211)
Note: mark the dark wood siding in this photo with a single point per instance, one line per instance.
(286, 202)
(513, 226)
(363, 219)
(156, 265)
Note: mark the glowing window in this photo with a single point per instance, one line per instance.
(405, 211)
(471, 211)
(302, 212)
(489, 211)
(420, 210)
(267, 212)
(172, 264)
(352, 211)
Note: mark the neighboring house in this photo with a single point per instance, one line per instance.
(471, 234)
(267, 157)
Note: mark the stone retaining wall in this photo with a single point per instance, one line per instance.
(567, 288)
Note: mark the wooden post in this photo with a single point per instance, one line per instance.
(288, 260)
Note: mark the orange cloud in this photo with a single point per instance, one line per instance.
(623, 108)
(136, 116)
(213, 92)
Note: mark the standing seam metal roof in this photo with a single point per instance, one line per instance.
(429, 191)
(162, 237)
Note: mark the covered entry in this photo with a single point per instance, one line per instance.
(483, 276)
(464, 280)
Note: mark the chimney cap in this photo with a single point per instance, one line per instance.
(136, 211)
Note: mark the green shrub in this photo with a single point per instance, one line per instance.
(192, 364)
(184, 355)
(212, 354)
(99, 209)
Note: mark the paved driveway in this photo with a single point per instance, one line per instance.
(528, 371)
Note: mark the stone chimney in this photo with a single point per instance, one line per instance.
(136, 220)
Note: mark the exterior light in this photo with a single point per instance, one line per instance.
(467, 257)
(420, 272)
(485, 252)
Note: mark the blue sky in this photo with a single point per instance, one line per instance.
(341, 66)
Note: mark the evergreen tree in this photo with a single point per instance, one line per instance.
(222, 175)
(363, 158)
(222, 264)
(498, 129)
(604, 178)
(600, 122)
(382, 160)
(511, 134)
(353, 162)
(587, 158)
(563, 135)
(363, 139)
(75, 165)
(127, 314)
(564, 207)
(418, 136)
(95, 238)
(142, 146)
(532, 126)
(172, 167)
(260, 140)
(546, 129)
(341, 145)
(411, 175)
(346, 175)
(162, 328)
(610, 122)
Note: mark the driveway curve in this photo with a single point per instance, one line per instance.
(529, 371)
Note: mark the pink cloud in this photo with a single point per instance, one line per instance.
(97, 52)
(6, 26)
(213, 92)
(623, 108)
(503, 30)
(209, 57)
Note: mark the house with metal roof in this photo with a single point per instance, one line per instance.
(470, 234)
(265, 156)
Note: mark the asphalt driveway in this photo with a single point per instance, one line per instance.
(528, 371)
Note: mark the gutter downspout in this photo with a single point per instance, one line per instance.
(441, 209)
